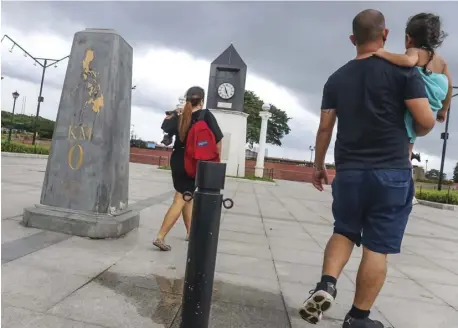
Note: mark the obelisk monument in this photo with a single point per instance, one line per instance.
(86, 185)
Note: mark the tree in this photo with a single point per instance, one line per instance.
(455, 174)
(278, 123)
(434, 175)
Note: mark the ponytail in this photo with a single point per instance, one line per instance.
(185, 121)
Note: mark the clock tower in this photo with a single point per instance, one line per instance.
(226, 87)
(225, 99)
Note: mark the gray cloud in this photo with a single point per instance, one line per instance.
(296, 44)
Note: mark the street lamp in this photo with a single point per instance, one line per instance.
(426, 166)
(15, 96)
(312, 149)
(44, 63)
(444, 136)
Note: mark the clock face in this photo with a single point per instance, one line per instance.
(226, 90)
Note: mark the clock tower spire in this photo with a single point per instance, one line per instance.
(226, 87)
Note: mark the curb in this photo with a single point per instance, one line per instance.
(23, 155)
(438, 205)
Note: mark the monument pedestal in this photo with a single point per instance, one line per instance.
(92, 225)
(86, 185)
(233, 124)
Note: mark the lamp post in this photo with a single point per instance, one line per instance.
(444, 136)
(312, 149)
(44, 63)
(426, 166)
(181, 102)
(265, 115)
(15, 96)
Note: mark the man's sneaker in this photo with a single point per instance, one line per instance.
(361, 323)
(320, 300)
(414, 201)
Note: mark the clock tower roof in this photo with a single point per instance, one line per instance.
(230, 57)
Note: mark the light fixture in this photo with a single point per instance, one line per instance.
(25, 55)
(15, 94)
(55, 65)
(35, 64)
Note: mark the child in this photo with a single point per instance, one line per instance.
(423, 37)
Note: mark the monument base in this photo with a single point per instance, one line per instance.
(77, 223)
(259, 172)
(233, 124)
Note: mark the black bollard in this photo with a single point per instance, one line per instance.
(203, 244)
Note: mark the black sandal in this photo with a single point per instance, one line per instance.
(161, 245)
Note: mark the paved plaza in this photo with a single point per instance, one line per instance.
(269, 257)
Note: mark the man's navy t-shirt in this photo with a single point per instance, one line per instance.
(369, 98)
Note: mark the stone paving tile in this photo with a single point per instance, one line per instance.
(35, 288)
(13, 317)
(269, 257)
(11, 230)
(119, 306)
(404, 313)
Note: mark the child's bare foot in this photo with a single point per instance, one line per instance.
(441, 116)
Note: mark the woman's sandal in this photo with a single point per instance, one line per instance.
(161, 245)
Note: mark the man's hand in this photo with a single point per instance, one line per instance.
(441, 116)
(318, 176)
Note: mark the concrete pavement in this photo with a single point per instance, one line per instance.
(269, 257)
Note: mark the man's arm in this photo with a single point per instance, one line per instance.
(323, 136)
(327, 121)
(417, 103)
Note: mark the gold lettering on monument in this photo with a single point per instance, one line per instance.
(79, 132)
(75, 161)
(96, 99)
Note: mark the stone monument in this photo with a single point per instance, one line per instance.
(86, 185)
(265, 115)
(225, 99)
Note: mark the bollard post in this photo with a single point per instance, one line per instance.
(203, 243)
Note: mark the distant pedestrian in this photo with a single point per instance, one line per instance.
(178, 125)
(373, 187)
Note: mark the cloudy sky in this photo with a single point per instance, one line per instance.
(290, 49)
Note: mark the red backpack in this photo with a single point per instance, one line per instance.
(200, 145)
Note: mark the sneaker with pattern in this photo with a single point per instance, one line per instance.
(320, 301)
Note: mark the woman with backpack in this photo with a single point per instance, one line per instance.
(180, 125)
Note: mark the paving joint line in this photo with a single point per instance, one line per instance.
(273, 261)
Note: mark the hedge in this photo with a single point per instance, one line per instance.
(12, 147)
(447, 196)
(435, 181)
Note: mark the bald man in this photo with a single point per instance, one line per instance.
(373, 187)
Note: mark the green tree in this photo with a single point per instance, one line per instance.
(278, 123)
(455, 174)
(433, 174)
(24, 122)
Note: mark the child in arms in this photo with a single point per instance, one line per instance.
(423, 37)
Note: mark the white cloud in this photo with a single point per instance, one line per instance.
(158, 72)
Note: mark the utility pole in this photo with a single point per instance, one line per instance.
(44, 63)
(444, 136)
